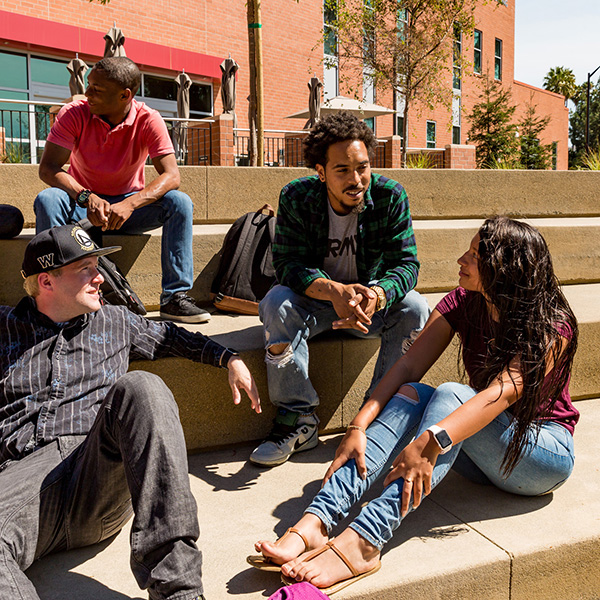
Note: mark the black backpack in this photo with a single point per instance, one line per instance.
(115, 289)
(246, 271)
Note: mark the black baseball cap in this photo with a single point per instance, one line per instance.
(59, 246)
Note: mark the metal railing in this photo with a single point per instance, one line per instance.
(280, 150)
(25, 125)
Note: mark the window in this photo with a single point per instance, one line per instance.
(400, 126)
(554, 155)
(431, 134)
(477, 44)
(498, 60)
(368, 31)
(402, 22)
(330, 59)
(33, 78)
(369, 95)
(456, 58)
(456, 134)
(161, 94)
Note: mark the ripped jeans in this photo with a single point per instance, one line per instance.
(546, 463)
(294, 319)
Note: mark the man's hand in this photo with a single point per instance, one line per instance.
(120, 212)
(364, 308)
(352, 299)
(98, 211)
(240, 378)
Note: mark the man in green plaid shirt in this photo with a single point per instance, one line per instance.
(345, 258)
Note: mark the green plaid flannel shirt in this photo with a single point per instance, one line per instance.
(386, 248)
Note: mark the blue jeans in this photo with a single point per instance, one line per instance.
(293, 319)
(173, 212)
(546, 463)
(79, 490)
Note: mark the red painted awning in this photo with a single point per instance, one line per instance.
(63, 39)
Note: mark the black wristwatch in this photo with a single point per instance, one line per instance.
(83, 198)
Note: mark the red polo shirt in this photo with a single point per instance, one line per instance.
(110, 160)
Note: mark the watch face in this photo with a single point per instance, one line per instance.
(443, 439)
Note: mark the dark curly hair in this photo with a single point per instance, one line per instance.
(339, 127)
(120, 70)
(534, 322)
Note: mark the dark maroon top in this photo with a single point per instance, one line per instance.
(475, 338)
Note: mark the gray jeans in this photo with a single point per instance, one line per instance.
(80, 490)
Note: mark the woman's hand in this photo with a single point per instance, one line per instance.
(353, 445)
(415, 465)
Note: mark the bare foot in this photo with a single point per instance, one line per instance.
(292, 545)
(327, 568)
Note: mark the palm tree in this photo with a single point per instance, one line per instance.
(561, 80)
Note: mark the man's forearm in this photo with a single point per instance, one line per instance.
(322, 289)
(154, 190)
(59, 178)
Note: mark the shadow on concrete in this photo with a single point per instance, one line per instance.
(249, 473)
(53, 578)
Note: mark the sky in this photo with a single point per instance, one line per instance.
(556, 33)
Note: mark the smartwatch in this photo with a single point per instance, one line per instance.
(444, 441)
(83, 198)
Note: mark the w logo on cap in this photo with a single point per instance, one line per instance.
(46, 261)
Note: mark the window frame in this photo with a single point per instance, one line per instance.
(477, 51)
(427, 140)
(498, 59)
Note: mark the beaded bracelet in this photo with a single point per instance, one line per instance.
(357, 427)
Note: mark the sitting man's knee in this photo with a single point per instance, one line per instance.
(279, 354)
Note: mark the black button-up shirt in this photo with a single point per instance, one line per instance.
(53, 377)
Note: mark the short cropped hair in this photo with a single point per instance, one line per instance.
(340, 127)
(120, 70)
(31, 284)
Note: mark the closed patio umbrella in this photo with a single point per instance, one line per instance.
(363, 110)
(228, 70)
(77, 69)
(115, 40)
(314, 102)
(184, 83)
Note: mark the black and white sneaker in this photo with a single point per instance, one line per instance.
(182, 308)
(292, 432)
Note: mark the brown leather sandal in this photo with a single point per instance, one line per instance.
(340, 585)
(264, 563)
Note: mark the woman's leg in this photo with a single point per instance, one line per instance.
(362, 541)
(547, 460)
(393, 429)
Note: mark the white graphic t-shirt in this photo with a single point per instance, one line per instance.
(340, 260)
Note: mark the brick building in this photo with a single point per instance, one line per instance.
(37, 38)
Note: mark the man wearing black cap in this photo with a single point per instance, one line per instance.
(84, 443)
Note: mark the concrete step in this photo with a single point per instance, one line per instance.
(222, 194)
(572, 241)
(340, 369)
(466, 542)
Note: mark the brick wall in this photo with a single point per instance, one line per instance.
(292, 53)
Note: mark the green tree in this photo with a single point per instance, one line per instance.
(492, 130)
(406, 46)
(534, 154)
(577, 123)
(561, 80)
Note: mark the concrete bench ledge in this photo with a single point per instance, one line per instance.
(466, 542)
(572, 241)
(341, 367)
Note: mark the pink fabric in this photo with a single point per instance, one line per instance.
(299, 591)
(110, 161)
(454, 308)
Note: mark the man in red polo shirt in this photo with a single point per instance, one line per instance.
(106, 139)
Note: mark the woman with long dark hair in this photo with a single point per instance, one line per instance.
(511, 426)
